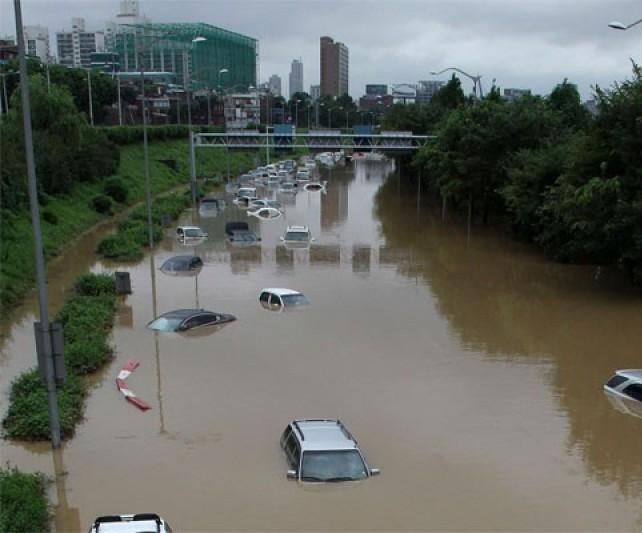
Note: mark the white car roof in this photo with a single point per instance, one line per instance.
(297, 228)
(189, 227)
(128, 525)
(631, 373)
(280, 291)
(325, 435)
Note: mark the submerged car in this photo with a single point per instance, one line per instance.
(211, 206)
(626, 384)
(130, 523)
(189, 319)
(186, 233)
(182, 265)
(239, 232)
(264, 202)
(314, 186)
(266, 213)
(288, 187)
(275, 299)
(297, 234)
(323, 450)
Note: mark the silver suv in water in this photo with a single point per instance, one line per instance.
(323, 450)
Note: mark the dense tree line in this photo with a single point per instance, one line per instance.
(564, 179)
(67, 149)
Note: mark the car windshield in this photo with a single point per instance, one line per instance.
(165, 324)
(292, 300)
(336, 465)
(296, 236)
(247, 237)
(176, 264)
(193, 233)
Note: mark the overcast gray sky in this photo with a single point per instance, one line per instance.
(521, 43)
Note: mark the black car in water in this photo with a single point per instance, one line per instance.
(189, 319)
(240, 233)
(182, 265)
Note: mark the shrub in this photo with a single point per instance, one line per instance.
(120, 246)
(101, 203)
(23, 502)
(28, 418)
(87, 355)
(49, 216)
(115, 188)
(95, 285)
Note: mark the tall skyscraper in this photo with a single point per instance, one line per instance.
(75, 47)
(334, 67)
(275, 85)
(37, 42)
(296, 77)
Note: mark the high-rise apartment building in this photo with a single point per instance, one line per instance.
(75, 47)
(296, 77)
(315, 92)
(334, 67)
(274, 85)
(426, 89)
(37, 42)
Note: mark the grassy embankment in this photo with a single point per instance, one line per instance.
(23, 502)
(65, 217)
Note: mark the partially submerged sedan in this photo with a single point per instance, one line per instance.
(182, 320)
(275, 299)
(187, 234)
(265, 213)
(182, 265)
(626, 384)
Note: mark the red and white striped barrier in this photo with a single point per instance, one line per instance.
(125, 372)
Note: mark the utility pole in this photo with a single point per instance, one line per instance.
(46, 344)
(120, 105)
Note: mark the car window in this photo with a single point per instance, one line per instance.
(634, 391)
(275, 301)
(615, 381)
(265, 296)
(285, 435)
(333, 465)
(292, 450)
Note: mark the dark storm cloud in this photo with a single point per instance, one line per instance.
(521, 43)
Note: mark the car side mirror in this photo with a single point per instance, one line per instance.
(313, 239)
(281, 238)
(258, 239)
(375, 471)
(292, 474)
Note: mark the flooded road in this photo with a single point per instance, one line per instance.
(468, 368)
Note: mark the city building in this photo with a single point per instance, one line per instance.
(8, 50)
(376, 89)
(76, 46)
(404, 93)
(315, 92)
(37, 42)
(375, 103)
(274, 85)
(220, 58)
(242, 110)
(426, 89)
(104, 61)
(296, 77)
(514, 94)
(335, 62)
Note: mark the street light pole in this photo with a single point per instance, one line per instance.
(120, 105)
(91, 106)
(619, 26)
(148, 187)
(52, 393)
(475, 79)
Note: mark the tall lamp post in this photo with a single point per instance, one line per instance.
(475, 79)
(619, 26)
(44, 329)
(91, 105)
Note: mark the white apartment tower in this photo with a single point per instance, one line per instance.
(296, 77)
(274, 85)
(75, 47)
(37, 42)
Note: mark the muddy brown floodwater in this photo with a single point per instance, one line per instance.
(469, 369)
